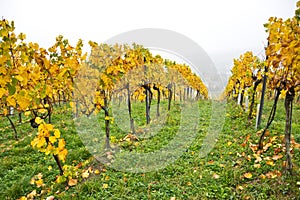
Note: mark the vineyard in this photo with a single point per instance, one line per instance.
(122, 123)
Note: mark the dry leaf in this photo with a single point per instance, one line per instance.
(85, 174)
(257, 165)
(262, 176)
(216, 176)
(248, 175)
(270, 162)
(72, 182)
(50, 198)
(211, 162)
(276, 157)
(240, 187)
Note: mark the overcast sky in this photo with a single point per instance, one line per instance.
(223, 28)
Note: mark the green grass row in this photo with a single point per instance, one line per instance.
(218, 175)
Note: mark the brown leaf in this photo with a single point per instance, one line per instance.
(266, 147)
(216, 176)
(72, 182)
(211, 162)
(50, 198)
(271, 175)
(276, 157)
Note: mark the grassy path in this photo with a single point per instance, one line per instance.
(229, 171)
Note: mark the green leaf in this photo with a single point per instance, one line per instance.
(14, 81)
(11, 89)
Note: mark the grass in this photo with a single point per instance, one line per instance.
(219, 175)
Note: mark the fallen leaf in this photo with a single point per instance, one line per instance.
(72, 182)
(105, 185)
(240, 187)
(96, 171)
(266, 147)
(271, 175)
(270, 162)
(216, 176)
(248, 157)
(276, 157)
(32, 181)
(39, 175)
(39, 183)
(257, 165)
(85, 174)
(248, 175)
(262, 176)
(50, 198)
(211, 162)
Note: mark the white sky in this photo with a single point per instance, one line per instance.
(223, 28)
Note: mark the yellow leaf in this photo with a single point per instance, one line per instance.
(41, 142)
(72, 104)
(11, 101)
(52, 139)
(39, 183)
(2, 92)
(19, 78)
(63, 154)
(24, 103)
(270, 162)
(96, 171)
(27, 113)
(248, 175)
(38, 120)
(56, 133)
(105, 185)
(61, 144)
(229, 143)
(85, 174)
(72, 182)
(262, 176)
(240, 187)
(60, 179)
(42, 110)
